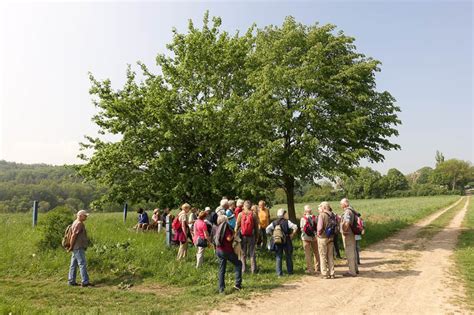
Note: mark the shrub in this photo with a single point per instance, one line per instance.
(53, 226)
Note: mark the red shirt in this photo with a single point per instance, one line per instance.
(226, 245)
(237, 211)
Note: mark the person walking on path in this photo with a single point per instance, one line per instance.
(78, 245)
(224, 252)
(247, 226)
(310, 242)
(325, 240)
(348, 237)
(282, 231)
(264, 219)
(201, 238)
(181, 232)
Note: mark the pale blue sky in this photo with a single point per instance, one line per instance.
(47, 50)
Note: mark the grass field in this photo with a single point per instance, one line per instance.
(441, 222)
(464, 254)
(136, 273)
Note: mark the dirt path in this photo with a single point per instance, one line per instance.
(398, 275)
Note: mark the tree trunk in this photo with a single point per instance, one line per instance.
(290, 197)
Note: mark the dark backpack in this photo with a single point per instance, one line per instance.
(218, 234)
(309, 227)
(332, 228)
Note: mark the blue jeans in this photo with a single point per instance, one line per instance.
(78, 258)
(223, 257)
(288, 249)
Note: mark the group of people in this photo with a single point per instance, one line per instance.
(236, 229)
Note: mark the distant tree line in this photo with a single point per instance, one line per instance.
(54, 186)
(448, 177)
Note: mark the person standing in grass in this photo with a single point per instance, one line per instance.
(201, 237)
(181, 231)
(325, 240)
(78, 245)
(282, 231)
(224, 252)
(247, 226)
(348, 238)
(310, 242)
(264, 221)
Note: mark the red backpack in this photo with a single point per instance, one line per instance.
(246, 224)
(357, 225)
(176, 225)
(309, 226)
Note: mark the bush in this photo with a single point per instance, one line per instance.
(53, 226)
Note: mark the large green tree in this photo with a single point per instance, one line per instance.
(314, 109)
(454, 173)
(240, 114)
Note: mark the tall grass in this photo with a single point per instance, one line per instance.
(35, 281)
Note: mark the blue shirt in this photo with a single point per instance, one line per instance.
(231, 218)
(143, 218)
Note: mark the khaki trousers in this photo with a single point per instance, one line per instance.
(199, 256)
(326, 253)
(182, 251)
(311, 255)
(350, 248)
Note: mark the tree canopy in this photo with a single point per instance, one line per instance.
(240, 114)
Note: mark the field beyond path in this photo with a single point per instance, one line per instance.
(402, 274)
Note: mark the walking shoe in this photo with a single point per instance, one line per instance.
(325, 277)
(347, 274)
(72, 284)
(84, 285)
(238, 288)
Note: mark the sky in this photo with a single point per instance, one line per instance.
(47, 50)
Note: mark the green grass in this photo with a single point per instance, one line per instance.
(34, 281)
(384, 217)
(464, 254)
(440, 222)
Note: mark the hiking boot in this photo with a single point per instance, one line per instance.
(72, 284)
(85, 285)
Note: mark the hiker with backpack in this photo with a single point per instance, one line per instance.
(326, 231)
(201, 238)
(310, 242)
(348, 237)
(264, 219)
(223, 238)
(76, 242)
(180, 228)
(230, 214)
(282, 231)
(247, 227)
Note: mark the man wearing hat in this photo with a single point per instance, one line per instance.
(78, 247)
(289, 230)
